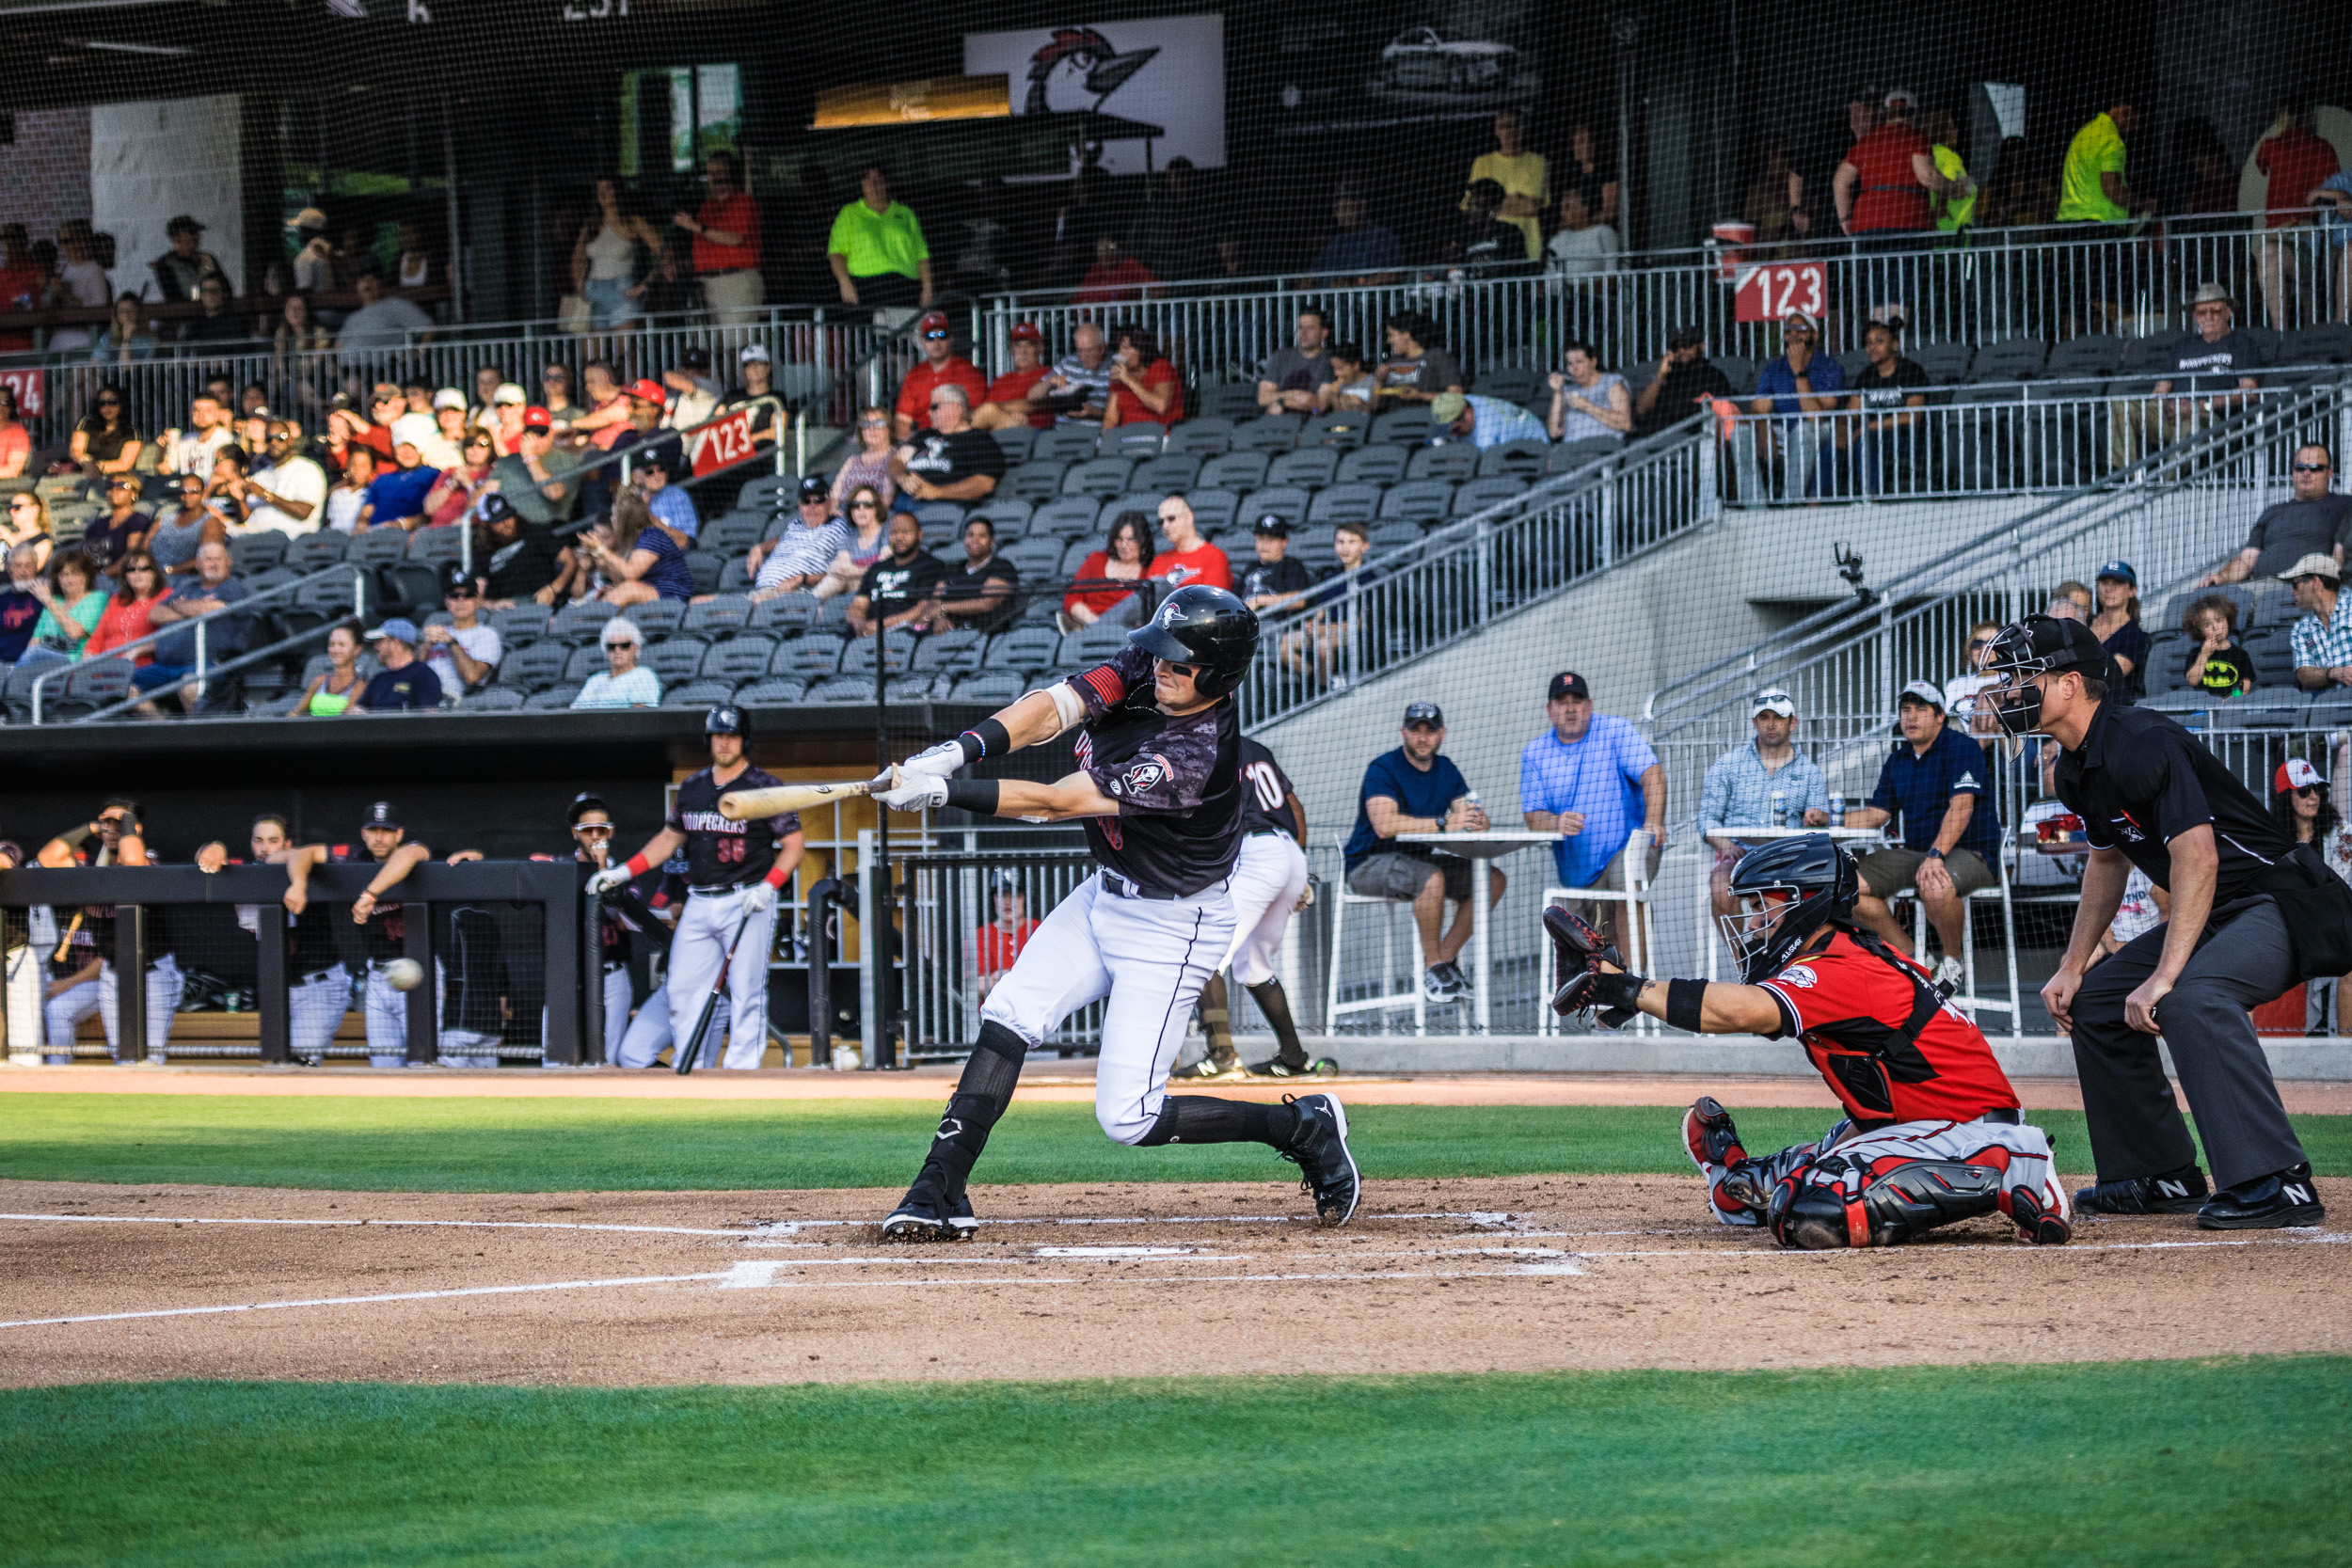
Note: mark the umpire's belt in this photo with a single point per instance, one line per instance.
(1125, 889)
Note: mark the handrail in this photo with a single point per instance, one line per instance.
(242, 607)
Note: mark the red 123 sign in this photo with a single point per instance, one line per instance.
(722, 441)
(1768, 294)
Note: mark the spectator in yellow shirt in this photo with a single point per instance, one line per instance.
(2092, 188)
(1525, 177)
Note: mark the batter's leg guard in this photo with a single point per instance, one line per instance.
(981, 1095)
(1275, 1005)
(1836, 1200)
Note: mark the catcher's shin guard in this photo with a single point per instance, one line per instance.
(1834, 1201)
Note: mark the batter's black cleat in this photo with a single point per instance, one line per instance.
(1707, 1133)
(1319, 1149)
(2271, 1202)
(1321, 1066)
(962, 1223)
(2174, 1192)
(922, 1215)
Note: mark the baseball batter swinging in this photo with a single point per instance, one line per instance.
(733, 872)
(1932, 1132)
(1159, 791)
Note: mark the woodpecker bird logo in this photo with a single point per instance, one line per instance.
(1078, 70)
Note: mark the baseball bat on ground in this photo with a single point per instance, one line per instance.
(684, 1052)
(745, 805)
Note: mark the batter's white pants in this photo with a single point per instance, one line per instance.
(1268, 880)
(66, 1012)
(695, 954)
(650, 1030)
(1150, 957)
(2023, 1161)
(315, 1010)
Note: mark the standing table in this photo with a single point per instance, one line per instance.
(1481, 849)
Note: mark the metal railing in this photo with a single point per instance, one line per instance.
(1488, 566)
(955, 950)
(2172, 513)
(1969, 286)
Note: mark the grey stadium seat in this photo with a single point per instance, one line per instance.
(1235, 470)
(1033, 481)
(675, 658)
(1276, 433)
(1479, 493)
(1101, 478)
(699, 693)
(842, 691)
(1373, 466)
(1284, 500)
(558, 696)
(782, 615)
(739, 658)
(1344, 504)
(1524, 458)
(1200, 439)
(809, 657)
(1421, 500)
(1064, 443)
(999, 686)
(1023, 648)
(657, 617)
(1071, 517)
(1455, 461)
(1309, 468)
(775, 691)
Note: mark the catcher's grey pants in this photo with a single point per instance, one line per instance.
(2026, 1165)
(2136, 1125)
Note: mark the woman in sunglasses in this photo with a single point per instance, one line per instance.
(2301, 805)
(27, 523)
(867, 540)
(459, 487)
(107, 442)
(128, 612)
(870, 466)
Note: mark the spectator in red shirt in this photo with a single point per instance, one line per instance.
(1114, 276)
(1882, 194)
(996, 945)
(127, 614)
(1095, 591)
(23, 283)
(726, 243)
(942, 366)
(1009, 401)
(1144, 387)
(2297, 163)
(1188, 557)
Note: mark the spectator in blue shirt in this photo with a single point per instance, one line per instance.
(1800, 388)
(1589, 776)
(1414, 790)
(654, 566)
(671, 506)
(1745, 786)
(210, 589)
(402, 682)
(397, 495)
(1363, 253)
(1935, 779)
(1485, 421)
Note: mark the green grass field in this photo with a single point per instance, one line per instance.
(576, 1145)
(2152, 1465)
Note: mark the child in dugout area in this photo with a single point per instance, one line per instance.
(1932, 1132)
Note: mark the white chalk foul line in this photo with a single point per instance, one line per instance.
(361, 1301)
(376, 1223)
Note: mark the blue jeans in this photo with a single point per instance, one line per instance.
(609, 300)
(159, 676)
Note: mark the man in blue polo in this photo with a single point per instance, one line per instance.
(1936, 778)
(1415, 790)
(1593, 777)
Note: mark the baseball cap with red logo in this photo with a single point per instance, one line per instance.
(1027, 332)
(933, 325)
(537, 418)
(2294, 774)
(649, 390)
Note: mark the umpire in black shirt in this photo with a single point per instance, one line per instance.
(2251, 913)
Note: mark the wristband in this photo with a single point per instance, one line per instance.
(1934, 854)
(984, 737)
(777, 875)
(973, 795)
(637, 867)
(1683, 1001)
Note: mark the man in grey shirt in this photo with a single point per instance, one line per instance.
(533, 479)
(2315, 522)
(1289, 382)
(382, 321)
(1088, 370)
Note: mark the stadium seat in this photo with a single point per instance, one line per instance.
(1276, 433)
(699, 693)
(956, 649)
(2273, 652)
(330, 597)
(558, 696)
(1312, 548)
(2330, 343)
(1946, 364)
(1137, 443)
(1016, 442)
(674, 659)
(315, 551)
(495, 699)
(1034, 482)
(842, 691)
(1343, 432)
(520, 624)
(581, 621)
(1511, 383)
(711, 618)
(735, 533)
(1740, 371)
(658, 617)
(708, 570)
(2248, 610)
(1009, 517)
(1479, 493)
(1230, 400)
(833, 615)
(1373, 466)
(1419, 500)
(1200, 439)
(1037, 558)
(1071, 517)
(997, 686)
(2167, 662)
(1395, 535)
(1166, 475)
(1065, 444)
(1101, 477)
(1455, 461)
(809, 658)
(377, 546)
(1092, 644)
(782, 615)
(1405, 427)
(1524, 459)
(1145, 501)
(1215, 510)
(583, 662)
(1567, 457)
(768, 492)
(742, 658)
(1235, 470)
(1284, 500)
(532, 667)
(2267, 708)
(1073, 558)
(434, 547)
(1345, 503)
(857, 653)
(256, 552)
(1309, 468)
(1023, 649)
(2010, 359)
(774, 691)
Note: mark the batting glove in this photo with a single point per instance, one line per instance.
(610, 877)
(759, 898)
(1306, 897)
(918, 791)
(937, 761)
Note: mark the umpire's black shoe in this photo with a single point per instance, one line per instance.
(1319, 1148)
(922, 1215)
(2267, 1203)
(2174, 1192)
(1320, 1066)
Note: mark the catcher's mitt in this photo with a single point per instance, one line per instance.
(1579, 951)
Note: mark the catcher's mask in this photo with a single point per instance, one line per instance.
(1784, 893)
(2036, 646)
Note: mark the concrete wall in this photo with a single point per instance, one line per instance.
(153, 161)
(47, 166)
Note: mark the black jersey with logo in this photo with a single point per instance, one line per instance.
(1177, 780)
(385, 936)
(1265, 793)
(719, 853)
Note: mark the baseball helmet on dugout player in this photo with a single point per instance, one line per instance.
(726, 718)
(1206, 627)
(1784, 893)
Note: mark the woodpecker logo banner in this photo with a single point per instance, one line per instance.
(1168, 71)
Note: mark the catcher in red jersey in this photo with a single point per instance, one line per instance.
(1933, 1133)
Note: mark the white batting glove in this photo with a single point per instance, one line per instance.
(936, 761)
(1306, 897)
(759, 898)
(918, 791)
(609, 879)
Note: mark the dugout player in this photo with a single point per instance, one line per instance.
(383, 928)
(2251, 913)
(1159, 791)
(1933, 1133)
(1269, 882)
(87, 953)
(623, 913)
(318, 983)
(733, 872)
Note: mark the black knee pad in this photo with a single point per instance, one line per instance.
(1837, 1201)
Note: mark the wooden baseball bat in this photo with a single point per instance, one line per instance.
(745, 805)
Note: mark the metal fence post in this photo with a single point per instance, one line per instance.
(130, 961)
(591, 1033)
(425, 1000)
(272, 1000)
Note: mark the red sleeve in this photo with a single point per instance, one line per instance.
(1093, 566)
(1216, 571)
(1163, 374)
(915, 395)
(1827, 987)
(968, 376)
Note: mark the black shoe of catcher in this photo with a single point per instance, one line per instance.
(1319, 1150)
(2268, 1203)
(2174, 1192)
(924, 1213)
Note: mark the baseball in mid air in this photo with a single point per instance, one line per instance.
(404, 974)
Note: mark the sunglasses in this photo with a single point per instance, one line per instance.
(864, 506)
(941, 403)
(2310, 468)
(2310, 789)
(873, 424)
(594, 830)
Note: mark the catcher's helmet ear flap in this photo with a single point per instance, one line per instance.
(726, 718)
(1784, 893)
(2036, 646)
(1206, 627)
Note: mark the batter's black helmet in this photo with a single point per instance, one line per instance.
(1206, 627)
(726, 718)
(1819, 884)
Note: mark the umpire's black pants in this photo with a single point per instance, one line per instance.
(2136, 1125)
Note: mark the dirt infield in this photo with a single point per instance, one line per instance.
(1099, 1280)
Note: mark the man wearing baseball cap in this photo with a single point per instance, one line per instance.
(397, 498)
(1935, 778)
(1484, 422)
(1273, 580)
(877, 250)
(693, 395)
(1592, 777)
(2322, 640)
(798, 561)
(2251, 912)
(756, 391)
(1800, 388)
(1765, 784)
(402, 683)
(942, 366)
(1686, 382)
(1413, 789)
(1009, 404)
(534, 479)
